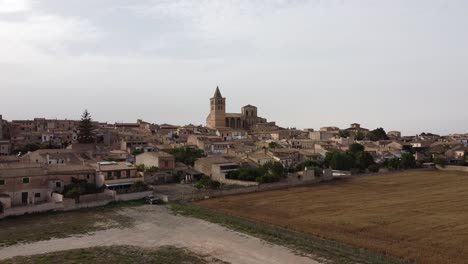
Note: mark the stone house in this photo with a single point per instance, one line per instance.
(160, 159)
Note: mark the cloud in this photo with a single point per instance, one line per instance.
(14, 6)
(35, 36)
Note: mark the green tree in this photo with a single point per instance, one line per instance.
(355, 148)
(407, 161)
(338, 160)
(359, 136)
(363, 160)
(344, 133)
(274, 168)
(440, 161)
(137, 152)
(186, 155)
(86, 129)
(394, 163)
(373, 168)
(377, 134)
(273, 145)
(26, 148)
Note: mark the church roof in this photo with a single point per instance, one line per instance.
(217, 93)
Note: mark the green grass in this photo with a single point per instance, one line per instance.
(302, 243)
(116, 255)
(45, 226)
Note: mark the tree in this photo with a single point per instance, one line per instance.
(86, 129)
(137, 152)
(377, 134)
(359, 136)
(26, 148)
(440, 161)
(364, 160)
(355, 148)
(407, 161)
(394, 163)
(187, 156)
(373, 168)
(339, 160)
(274, 168)
(274, 145)
(344, 133)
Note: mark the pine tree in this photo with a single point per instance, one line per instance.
(86, 129)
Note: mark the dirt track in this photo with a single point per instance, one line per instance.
(156, 226)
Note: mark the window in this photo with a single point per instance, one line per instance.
(119, 174)
(25, 180)
(58, 184)
(2, 182)
(37, 195)
(166, 163)
(128, 174)
(109, 175)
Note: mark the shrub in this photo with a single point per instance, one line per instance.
(138, 186)
(373, 168)
(207, 183)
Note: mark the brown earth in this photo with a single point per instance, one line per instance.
(418, 216)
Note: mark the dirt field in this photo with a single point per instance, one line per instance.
(152, 227)
(418, 216)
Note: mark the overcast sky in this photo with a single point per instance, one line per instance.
(399, 64)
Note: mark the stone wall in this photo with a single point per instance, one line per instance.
(452, 168)
(132, 196)
(196, 196)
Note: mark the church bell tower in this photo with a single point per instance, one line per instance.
(217, 117)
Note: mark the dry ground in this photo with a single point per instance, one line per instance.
(418, 216)
(152, 227)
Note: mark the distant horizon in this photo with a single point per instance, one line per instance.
(400, 65)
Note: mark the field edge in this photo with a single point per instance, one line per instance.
(326, 251)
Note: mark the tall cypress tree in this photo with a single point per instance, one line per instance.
(86, 129)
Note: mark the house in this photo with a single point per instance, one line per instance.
(394, 134)
(287, 157)
(24, 184)
(261, 158)
(160, 159)
(310, 155)
(302, 143)
(117, 176)
(456, 154)
(34, 183)
(322, 135)
(5, 147)
(356, 128)
(61, 176)
(216, 167)
(53, 156)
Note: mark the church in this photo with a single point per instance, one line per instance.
(218, 118)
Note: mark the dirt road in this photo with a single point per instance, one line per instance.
(156, 226)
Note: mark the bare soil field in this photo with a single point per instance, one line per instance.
(417, 216)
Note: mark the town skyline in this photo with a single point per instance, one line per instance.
(228, 107)
(399, 65)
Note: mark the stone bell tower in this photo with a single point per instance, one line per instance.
(217, 116)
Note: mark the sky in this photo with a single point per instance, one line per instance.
(397, 64)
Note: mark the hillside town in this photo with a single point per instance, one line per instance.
(50, 164)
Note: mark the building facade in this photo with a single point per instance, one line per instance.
(218, 118)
